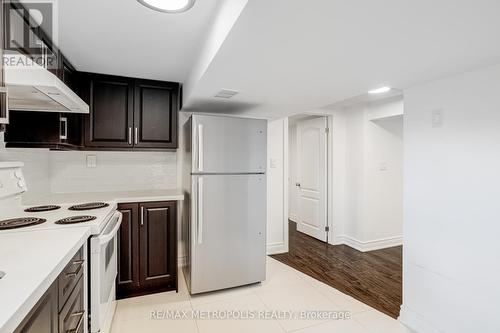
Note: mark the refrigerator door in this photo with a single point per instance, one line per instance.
(228, 231)
(228, 145)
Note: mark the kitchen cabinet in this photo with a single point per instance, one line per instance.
(155, 114)
(44, 315)
(111, 119)
(128, 251)
(62, 307)
(67, 73)
(34, 129)
(130, 114)
(147, 248)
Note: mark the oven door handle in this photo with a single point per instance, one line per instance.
(106, 238)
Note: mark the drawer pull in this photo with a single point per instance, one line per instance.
(80, 322)
(74, 274)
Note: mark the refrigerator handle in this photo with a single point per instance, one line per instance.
(199, 217)
(200, 147)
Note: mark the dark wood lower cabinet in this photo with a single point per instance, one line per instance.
(44, 315)
(61, 309)
(147, 256)
(127, 281)
(73, 316)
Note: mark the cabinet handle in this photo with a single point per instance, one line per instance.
(80, 322)
(64, 129)
(136, 137)
(142, 215)
(74, 274)
(130, 135)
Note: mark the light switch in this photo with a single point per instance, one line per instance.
(437, 118)
(91, 161)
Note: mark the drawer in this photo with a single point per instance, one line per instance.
(72, 318)
(70, 276)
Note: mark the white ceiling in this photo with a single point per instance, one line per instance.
(284, 56)
(123, 37)
(290, 56)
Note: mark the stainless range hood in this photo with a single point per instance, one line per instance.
(32, 87)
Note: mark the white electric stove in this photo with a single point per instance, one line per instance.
(102, 219)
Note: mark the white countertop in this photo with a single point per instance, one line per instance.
(32, 261)
(117, 196)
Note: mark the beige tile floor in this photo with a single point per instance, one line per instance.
(284, 290)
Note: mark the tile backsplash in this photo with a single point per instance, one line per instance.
(66, 171)
(113, 171)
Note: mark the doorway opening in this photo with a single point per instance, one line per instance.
(345, 200)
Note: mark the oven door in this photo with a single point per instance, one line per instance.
(103, 272)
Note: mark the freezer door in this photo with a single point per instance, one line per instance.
(228, 144)
(228, 231)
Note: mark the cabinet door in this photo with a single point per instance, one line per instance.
(43, 317)
(110, 121)
(155, 114)
(127, 282)
(158, 246)
(66, 72)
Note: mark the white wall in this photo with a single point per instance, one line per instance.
(451, 263)
(277, 186)
(367, 175)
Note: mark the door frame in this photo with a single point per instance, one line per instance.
(329, 172)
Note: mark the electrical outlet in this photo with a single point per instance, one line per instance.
(91, 161)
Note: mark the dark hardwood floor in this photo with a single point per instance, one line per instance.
(374, 278)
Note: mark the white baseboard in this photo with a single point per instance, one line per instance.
(276, 248)
(414, 321)
(293, 217)
(365, 246)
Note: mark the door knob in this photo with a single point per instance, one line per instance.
(297, 184)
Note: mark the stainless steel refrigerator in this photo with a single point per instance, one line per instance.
(225, 204)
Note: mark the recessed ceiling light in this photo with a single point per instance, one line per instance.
(380, 90)
(168, 6)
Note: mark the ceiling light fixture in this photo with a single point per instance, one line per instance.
(380, 90)
(168, 6)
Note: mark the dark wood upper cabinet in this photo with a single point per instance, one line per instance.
(155, 114)
(34, 129)
(147, 256)
(127, 113)
(111, 119)
(67, 73)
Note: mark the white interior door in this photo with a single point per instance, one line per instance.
(312, 177)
